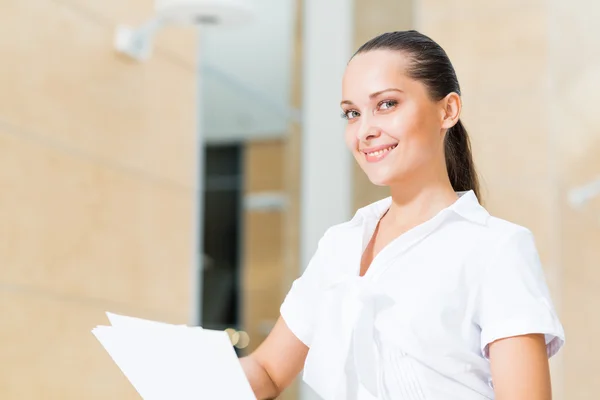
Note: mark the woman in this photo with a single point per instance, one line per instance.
(422, 295)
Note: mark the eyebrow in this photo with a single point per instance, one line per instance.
(373, 95)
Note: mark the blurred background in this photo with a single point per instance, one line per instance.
(190, 186)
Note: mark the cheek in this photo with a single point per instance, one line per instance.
(396, 126)
(412, 128)
(350, 138)
(399, 126)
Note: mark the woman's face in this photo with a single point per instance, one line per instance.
(394, 130)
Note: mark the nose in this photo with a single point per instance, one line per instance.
(368, 132)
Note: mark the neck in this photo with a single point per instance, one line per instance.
(414, 202)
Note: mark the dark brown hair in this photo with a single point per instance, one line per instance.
(431, 66)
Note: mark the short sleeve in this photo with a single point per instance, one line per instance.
(298, 309)
(513, 296)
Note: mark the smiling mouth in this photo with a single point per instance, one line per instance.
(377, 155)
(381, 152)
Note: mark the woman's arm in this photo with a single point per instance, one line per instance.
(275, 363)
(520, 369)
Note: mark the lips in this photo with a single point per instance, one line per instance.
(374, 154)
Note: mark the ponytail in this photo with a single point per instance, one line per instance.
(459, 160)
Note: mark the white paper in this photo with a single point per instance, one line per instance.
(123, 321)
(165, 362)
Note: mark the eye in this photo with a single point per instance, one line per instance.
(350, 114)
(387, 104)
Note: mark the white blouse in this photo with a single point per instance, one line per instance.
(417, 325)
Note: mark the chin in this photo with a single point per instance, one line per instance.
(380, 174)
(380, 180)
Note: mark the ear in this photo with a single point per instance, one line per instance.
(451, 108)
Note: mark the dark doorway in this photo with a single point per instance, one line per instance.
(222, 215)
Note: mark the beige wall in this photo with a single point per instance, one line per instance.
(263, 249)
(574, 57)
(95, 173)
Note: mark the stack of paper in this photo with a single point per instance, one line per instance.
(174, 362)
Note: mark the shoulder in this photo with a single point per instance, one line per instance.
(494, 242)
(498, 230)
(503, 234)
(507, 254)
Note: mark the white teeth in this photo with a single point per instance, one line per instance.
(380, 152)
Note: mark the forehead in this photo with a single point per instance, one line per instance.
(375, 70)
